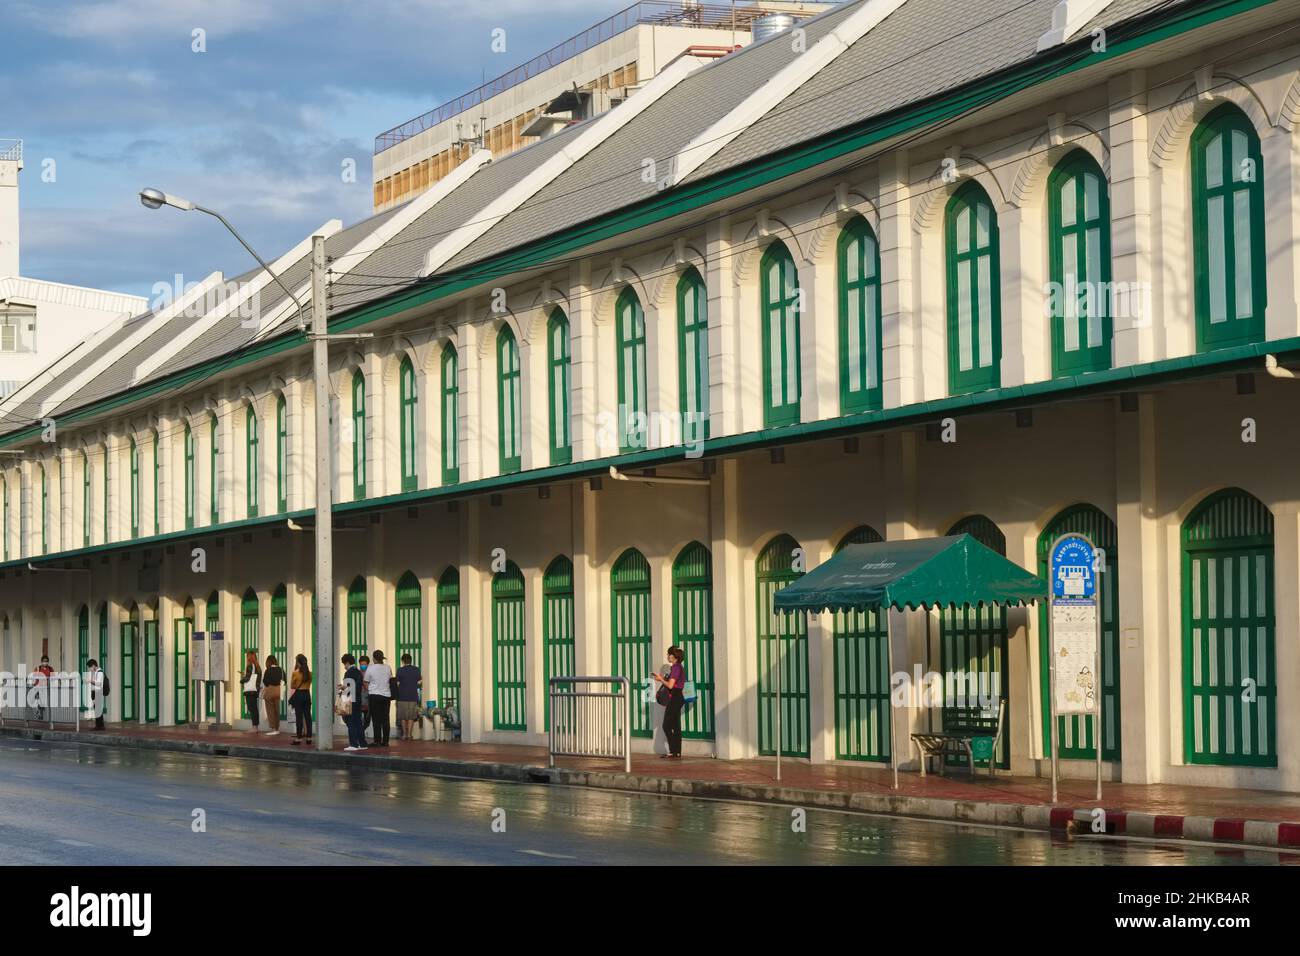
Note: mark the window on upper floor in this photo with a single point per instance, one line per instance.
(281, 454)
(45, 511)
(693, 355)
(252, 476)
(134, 463)
(358, 435)
(191, 477)
(857, 276)
(450, 416)
(558, 365)
(214, 478)
(103, 457)
(5, 530)
(782, 376)
(1228, 230)
(974, 306)
(1078, 224)
(509, 430)
(629, 320)
(85, 500)
(17, 328)
(408, 399)
(157, 479)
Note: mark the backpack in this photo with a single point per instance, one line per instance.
(106, 684)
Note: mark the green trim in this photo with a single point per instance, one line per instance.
(407, 424)
(857, 281)
(157, 475)
(693, 356)
(1079, 179)
(968, 252)
(631, 635)
(251, 444)
(359, 448)
(558, 379)
(510, 429)
(450, 415)
(134, 461)
(559, 644)
(693, 633)
(509, 650)
(630, 357)
(282, 454)
(773, 570)
(182, 628)
(191, 481)
(780, 317)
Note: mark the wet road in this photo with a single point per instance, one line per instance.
(80, 804)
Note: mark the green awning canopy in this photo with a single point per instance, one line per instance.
(926, 572)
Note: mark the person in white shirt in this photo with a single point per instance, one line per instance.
(95, 678)
(251, 681)
(379, 680)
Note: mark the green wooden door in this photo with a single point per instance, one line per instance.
(973, 648)
(861, 643)
(128, 671)
(181, 630)
(357, 618)
(449, 638)
(630, 610)
(1229, 665)
(248, 641)
(1075, 734)
(509, 651)
(776, 569)
(408, 606)
(693, 633)
(280, 639)
(83, 639)
(560, 648)
(213, 614)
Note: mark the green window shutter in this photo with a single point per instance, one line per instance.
(128, 668)
(151, 671)
(182, 628)
(104, 662)
(693, 356)
(104, 449)
(214, 483)
(973, 642)
(450, 417)
(191, 478)
(449, 638)
(157, 477)
(280, 637)
(1229, 259)
(281, 454)
(558, 362)
(858, 293)
(213, 615)
(251, 475)
(409, 430)
(974, 297)
(774, 570)
(134, 462)
(1075, 734)
(632, 399)
(558, 642)
(357, 636)
(1229, 638)
(83, 639)
(693, 633)
(631, 631)
(509, 411)
(358, 436)
(1078, 218)
(249, 640)
(408, 603)
(861, 649)
(45, 513)
(782, 375)
(509, 651)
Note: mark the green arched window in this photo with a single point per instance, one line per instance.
(509, 651)
(251, 474)
(1228, 230)
(780, 320)
(559, 643)
(509, 401)
(191, 480)
(558, 362)
(861, 647)
(693, 355)
(629, 318)
(281, 454)
(249, 639)
(974, 300)
(357, 607)
(104, 458)
(408, 602)
(779, 565)
(358, 435)
(857, 257)
(1230, 681)
(630, 608)
(1078, 222)
(449, 637)
(157, 480)
(134, 461)
(45, 512)
(85, 505)
(214, 479)
(693, 633)
(407, 398)
(450, 417)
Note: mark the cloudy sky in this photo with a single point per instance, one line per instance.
(109, 96)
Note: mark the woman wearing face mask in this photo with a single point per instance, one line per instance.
(673, 701)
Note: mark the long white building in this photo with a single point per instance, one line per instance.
(924, 266)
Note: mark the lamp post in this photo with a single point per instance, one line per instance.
(323, 665)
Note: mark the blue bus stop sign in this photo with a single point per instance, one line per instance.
(1073, 568)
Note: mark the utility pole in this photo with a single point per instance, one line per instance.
(324, 663)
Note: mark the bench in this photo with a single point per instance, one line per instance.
(961, 728)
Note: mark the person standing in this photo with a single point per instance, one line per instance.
(251, 682)
(674, 683)
(272, 681)
(350, 696)
(379, 681)
(300, 698)
(95, 677)
(363, 665)
(409, 683)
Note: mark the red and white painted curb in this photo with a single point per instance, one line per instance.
(1175, 826)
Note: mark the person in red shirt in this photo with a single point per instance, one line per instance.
(40, 680)
(674, 683)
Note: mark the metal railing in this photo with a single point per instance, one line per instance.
(716, 16)
(11, 150)
(592, 722)
(59, 699)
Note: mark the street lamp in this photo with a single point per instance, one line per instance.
(156, 199)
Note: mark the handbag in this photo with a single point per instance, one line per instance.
(663, 695)
(342, 706)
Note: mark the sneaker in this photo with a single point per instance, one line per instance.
(350, 749)
(273, 733)
(362, 748)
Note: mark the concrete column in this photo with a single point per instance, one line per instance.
(475, 628)
(898, 319)
(534, 391)
(1281, 154)
(930, 309)
(584, 387)
(818, 340)
(1026, 342)
(724, 359)
(380, 428)
(66, 501)
(1130, 215)
(471, 399)
(735, 694)
(907, 629)
(587, 623)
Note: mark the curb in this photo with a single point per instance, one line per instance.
(1114, 821)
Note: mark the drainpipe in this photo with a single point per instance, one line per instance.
(1275, 370)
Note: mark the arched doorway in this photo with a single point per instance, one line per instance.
(1229, 662)
(861, 639)
(629, 584)
(1075, 734)
(212, 615)
(182, 628)
(558, 643)
(152, 664)
(249, 627)
(693, 633)
(130, 631)
(407, 604)
(973, 647)
(449, 638)
(774, 570)
(83, 638)
(357, 639)
(509, 650)
(280, 638)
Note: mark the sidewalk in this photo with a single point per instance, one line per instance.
(1255, 817)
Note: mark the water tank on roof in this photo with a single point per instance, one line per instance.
(770, 25)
